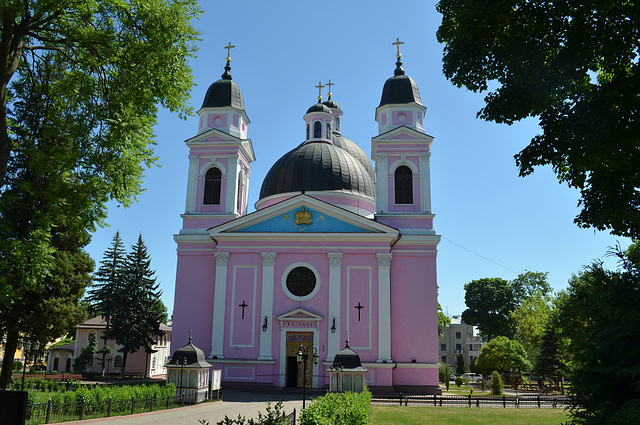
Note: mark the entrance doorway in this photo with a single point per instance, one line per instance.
(295, 373)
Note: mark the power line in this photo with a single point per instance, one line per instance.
(481, 256)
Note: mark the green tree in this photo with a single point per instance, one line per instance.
(443, 320)
(496, 383)
(489, 303)
(86, 356)
(503, 354)
(123, 58)
(530, 320)
(80, 85)
(107, 282)
(460, 366)
(551, 362)
(574, 65)
(601, 318)
(136, 324)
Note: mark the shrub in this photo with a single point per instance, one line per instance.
(459, 381)
(339, 409)
(496, 383)
(275, 416)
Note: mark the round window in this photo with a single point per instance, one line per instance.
(301, 281)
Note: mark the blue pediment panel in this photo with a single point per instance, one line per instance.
(303, 219)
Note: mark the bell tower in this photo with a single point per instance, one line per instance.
(220, 156)
(402, 152)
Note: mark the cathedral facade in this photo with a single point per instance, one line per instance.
(336, 248)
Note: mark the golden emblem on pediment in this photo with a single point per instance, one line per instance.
(303, 217)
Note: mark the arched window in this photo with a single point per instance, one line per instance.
(403, 185)
(117, 361)
(308, 131)
(212, 184)
(317, 130)
(240, 193)
(328, 131)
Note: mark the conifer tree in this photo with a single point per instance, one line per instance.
(107, 282)
(137, 323)
(85, 358)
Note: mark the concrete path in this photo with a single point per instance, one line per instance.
(235, 403)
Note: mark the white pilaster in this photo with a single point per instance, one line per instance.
(425, 182)
(335, 266)
(382, 183)
(268, 263)
(232, 183)
(384, 307)
(219, 302)
(192, 184)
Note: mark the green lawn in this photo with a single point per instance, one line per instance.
(395, 415)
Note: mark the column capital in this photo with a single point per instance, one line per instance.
(335, 258)
(222, 258)
(425, 156)
(268, 258)
(193, 159)
(384, 259)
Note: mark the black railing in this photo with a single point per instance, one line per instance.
(524, 401)
(45, 413)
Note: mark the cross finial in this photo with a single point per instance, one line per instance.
(229, 47)
(329, 84)
(190, 330)
(397, 43)
(319, 87)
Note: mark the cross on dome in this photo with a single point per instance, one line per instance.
(329, 84)
(229, 47)
(397, 43)
(319, 87)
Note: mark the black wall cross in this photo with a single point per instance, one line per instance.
(359, 307)
(243, 305)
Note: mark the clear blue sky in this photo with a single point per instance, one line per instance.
(493, 223)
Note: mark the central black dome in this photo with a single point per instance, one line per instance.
(318, 166)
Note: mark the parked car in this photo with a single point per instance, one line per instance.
(472, 377)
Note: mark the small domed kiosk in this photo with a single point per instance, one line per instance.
(346, 372)
(189, 372)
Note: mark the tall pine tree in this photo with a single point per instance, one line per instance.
(107, 283)
(136, 324)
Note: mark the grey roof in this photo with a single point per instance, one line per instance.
(400, 89)
(319, 107)
(347, 359)
(355, 151)
(195, 356)
(331, 104)
(318, 166)
(224, 92)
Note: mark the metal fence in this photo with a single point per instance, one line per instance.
(291, 418)
(45, 413)
(524, 401)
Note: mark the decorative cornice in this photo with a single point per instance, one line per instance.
(335, 258)
(384, 259)
(222, 258)
(268, 258)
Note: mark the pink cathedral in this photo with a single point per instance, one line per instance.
(337, 249)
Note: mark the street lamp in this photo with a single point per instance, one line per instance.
(108, 359)
(182, 361)
(303, 355)
(28, 345)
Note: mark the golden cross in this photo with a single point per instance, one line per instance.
(319, 87)
(397, 43)
(228, 47)
(329, 84)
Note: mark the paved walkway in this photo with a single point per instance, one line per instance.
(235, 403)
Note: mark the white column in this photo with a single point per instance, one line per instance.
(192, 185)
(384, 307)
(425, 182)
(219, 301)
(268, 263)
(335, 266)
(232, 183)
(382, 183)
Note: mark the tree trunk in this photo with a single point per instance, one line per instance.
(7, 362)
